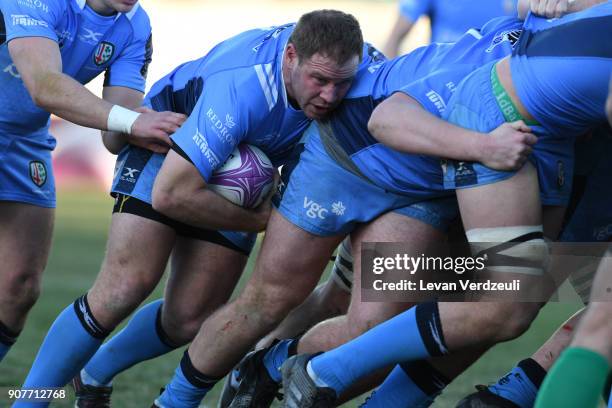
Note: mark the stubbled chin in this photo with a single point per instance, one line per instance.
(316, 114)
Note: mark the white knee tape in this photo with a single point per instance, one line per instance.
(342, 274)
(527, 255)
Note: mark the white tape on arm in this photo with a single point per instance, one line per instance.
(121, 119)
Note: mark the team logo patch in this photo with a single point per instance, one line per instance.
(104, 53)
(38, 173)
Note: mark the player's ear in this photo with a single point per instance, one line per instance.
(291, 57)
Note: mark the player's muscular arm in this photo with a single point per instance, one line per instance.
(401, 123)
(181, 194)
(39, 63)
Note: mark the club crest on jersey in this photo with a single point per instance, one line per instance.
(511, 36)
(104, 53)
(38, 172)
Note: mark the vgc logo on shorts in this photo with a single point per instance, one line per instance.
(314, 210)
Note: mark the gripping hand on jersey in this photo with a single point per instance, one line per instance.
(508, 146)
(152, 129)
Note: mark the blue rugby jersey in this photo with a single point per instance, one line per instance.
(119, 45)
(429, 74)
(235, 94)
(451, 18)
(561, 69)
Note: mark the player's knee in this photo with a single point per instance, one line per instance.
(520, 319)
(359, 323)
(115, 301)
(182, 327)
(23, 286)
(505, 321)
(269, 304)
(162, 200)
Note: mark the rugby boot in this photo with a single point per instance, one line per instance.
(483, 398)
(300, 390)
(89, 396)
(254, 387)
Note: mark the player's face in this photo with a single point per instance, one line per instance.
(112, 6)
(318, 84)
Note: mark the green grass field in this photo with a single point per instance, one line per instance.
(78, 247)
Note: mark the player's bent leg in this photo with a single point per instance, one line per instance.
(286, 271)
(136, 256)
(502, 219)
(287, 268)
(203, 277)
(520, 385)
(25, 241)
(259, 369)
(137, 252)
(579, 376)
(326, 301)
(336, 370)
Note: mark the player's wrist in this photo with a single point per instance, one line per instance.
(121, 119)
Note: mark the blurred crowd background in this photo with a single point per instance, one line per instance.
(187, 29)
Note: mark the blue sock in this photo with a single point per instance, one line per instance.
(142, 339)
(187, 388)
(413, 385)
(71, 341)
(7, 338)
(415, 334)
(521, 385)
(276, 356)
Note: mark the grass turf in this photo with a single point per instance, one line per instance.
(80, 235)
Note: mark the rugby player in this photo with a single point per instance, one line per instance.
(48, 50)
(314, 216)
(261, 87)
(434, 329)
(578, 377)
(588, 220)
(444, 21)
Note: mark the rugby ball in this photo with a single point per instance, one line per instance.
(245, 178)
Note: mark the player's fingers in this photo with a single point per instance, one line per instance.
(178, 118)
(165, 139)
(561, 9)
(530, 139)
(551, 8)
(537, 6)
(171, 127)
(520, 126)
